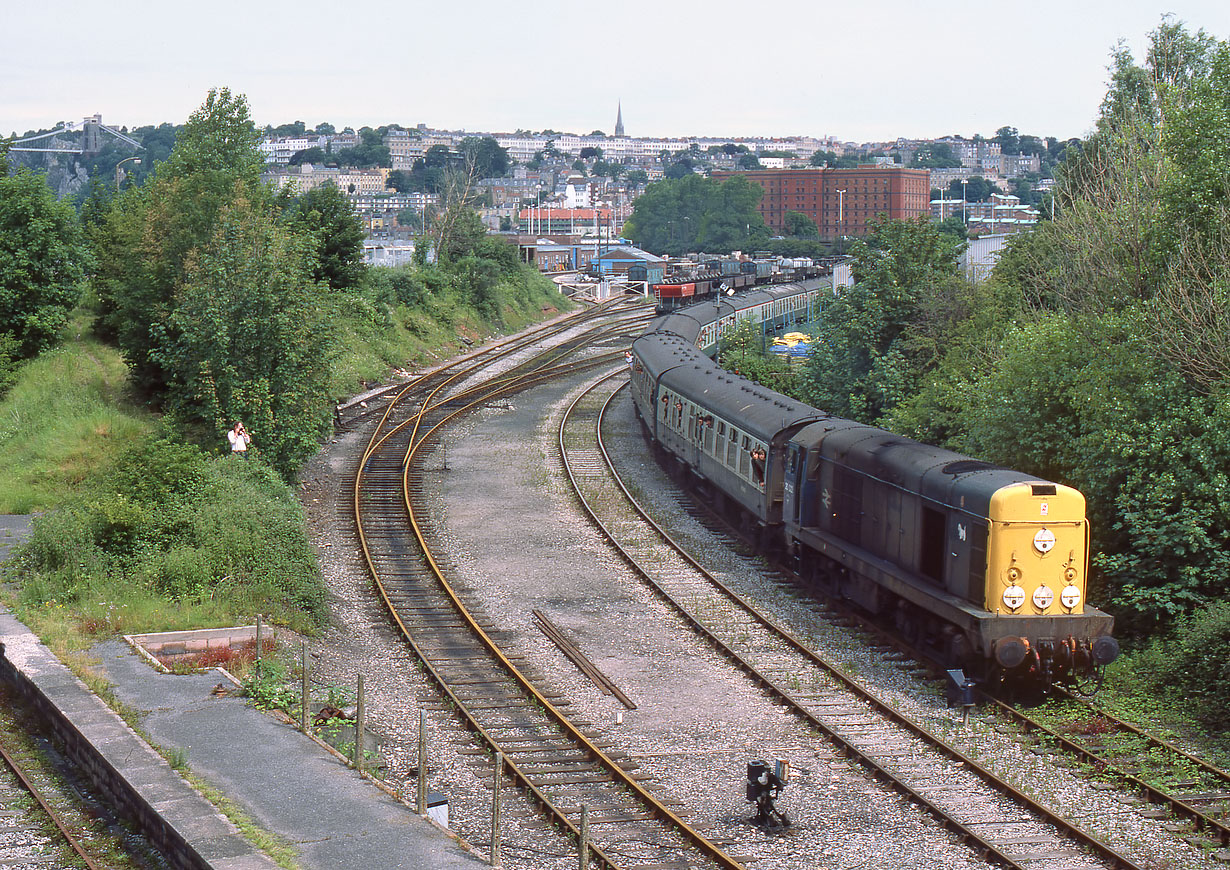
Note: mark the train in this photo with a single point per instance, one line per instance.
(687, 283)
(983, 568)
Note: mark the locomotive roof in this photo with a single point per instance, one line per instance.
(942, 475)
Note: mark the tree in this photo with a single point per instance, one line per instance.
(935, 155)
(43, 258)
(1009, 140)
(590, 153)
(681, 168)
(798, 224)
(297, 128)
(880, 336)
(830, 158)
(696, 213)
(749, 161)
(953, 225)
(401, 181)
(411, 218)
(609, 170)
(315, 154)
(1118, 342)
(1031, 145)
(635, 178)
(143, 244)
(328, 217)
(485, 154)
(976, 189)
(251, 337)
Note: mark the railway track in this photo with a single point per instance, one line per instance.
(575, 777)
(32, 833)
(1182, 786)
(374, 404)
(964, 795)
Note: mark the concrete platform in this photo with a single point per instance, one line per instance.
(287, 783)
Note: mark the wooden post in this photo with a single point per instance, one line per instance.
(306, 714)
(583, 850)
(359, 714)
(258, 646)
(422, 795)
(495, 810)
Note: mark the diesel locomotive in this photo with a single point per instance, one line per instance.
(984, 567)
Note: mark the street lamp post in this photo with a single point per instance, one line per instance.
(119, 174)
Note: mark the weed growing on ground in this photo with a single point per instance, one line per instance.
(272, 688)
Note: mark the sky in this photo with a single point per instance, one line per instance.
(859, 70)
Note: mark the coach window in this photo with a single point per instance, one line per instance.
(759, 458)
(744, 456)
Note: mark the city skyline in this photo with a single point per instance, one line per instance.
(883, 70)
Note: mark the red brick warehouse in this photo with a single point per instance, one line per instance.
(842, 202)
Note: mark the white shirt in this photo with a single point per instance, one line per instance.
(239, 441)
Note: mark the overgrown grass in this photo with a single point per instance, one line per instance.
(170, 538)
(67, 417)
(406, 319)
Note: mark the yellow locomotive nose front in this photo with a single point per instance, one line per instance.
(1037, 551)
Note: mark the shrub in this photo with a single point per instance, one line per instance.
(170, 528)
(1194, 662)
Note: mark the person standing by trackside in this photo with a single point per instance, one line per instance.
(240, 439)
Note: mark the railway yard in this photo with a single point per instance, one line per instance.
(510, 566)
(678, 685)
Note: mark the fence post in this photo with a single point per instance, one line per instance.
(583, 845)
(306, 712)
(495, 810)
(259, 626)
(422, 791)
(359, 714)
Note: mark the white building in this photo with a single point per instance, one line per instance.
(280, 149)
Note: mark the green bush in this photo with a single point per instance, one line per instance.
(1193, 663)
(170, 528)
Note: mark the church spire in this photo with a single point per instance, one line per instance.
(619, 120)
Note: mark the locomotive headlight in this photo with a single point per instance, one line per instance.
(1014, 597)
(1043, 596)
(1070, 597)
